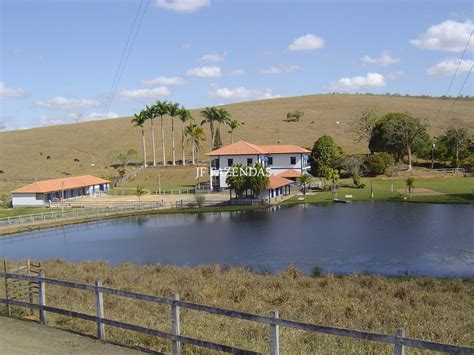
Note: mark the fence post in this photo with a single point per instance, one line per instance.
(175, 328)
(274, 336)
(30, 288)
(399, 348)
(42, 298)
(9, 310)
(99, 306)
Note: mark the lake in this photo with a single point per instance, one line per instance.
(377, 237)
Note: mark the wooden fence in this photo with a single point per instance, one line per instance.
(399, 341)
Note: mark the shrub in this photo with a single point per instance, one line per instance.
(200, 199)
(317, 271)
(377, 163)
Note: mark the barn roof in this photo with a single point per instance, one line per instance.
(67, 183)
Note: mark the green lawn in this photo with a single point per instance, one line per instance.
(456, 190)
(11, 212)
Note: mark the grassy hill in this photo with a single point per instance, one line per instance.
(24, 153)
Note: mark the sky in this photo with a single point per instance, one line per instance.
(59, 59)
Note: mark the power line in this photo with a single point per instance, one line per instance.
(126, 53)
(454, 75)
(460, 90)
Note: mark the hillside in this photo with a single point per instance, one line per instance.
(24, 153)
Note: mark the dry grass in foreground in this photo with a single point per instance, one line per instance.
(439, 310)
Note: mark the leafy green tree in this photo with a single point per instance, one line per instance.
(260, 181)
(410, 182)
(161, 109)
(173, 111)
(399, 134)
(325, 154)
(353, 165)
(332, 175)
(294, 116)
(237, 180)
(457, 140)
(139, 121)
(196, 136)
(365, 124)
(233, 125)
(377, 163)
(184, 116)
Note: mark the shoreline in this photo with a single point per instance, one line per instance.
(11, 231)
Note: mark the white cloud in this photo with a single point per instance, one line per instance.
(448, 36)
(384, 59)
(64, 103)
(205, 72)
(99, 116)
(164, 80)
(182, 5)
(237, 72)
(213, 57)
(280, 69)
(144, 94)
(6, 92)
(186, 46)
(373, 80)
(306, 43)
(3, 126)
(395, 75)
(448, 67)
(242, 93)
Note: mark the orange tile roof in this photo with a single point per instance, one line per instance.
(278, 181)
(246, 148)
(68, 183)
(283, 148)
(290, 173)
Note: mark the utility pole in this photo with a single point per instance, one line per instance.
(433, 146)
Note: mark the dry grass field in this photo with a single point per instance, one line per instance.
(24, 153)
(433, 309)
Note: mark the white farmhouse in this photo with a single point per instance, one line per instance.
(40, 193)
(284, 160)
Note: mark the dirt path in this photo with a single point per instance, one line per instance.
(27, 338)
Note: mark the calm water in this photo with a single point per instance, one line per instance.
(386, 238)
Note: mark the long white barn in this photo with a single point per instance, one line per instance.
(41, 193)
(284, 160)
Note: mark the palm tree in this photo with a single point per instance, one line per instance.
(209, 114)
(139, 192)
(139, 121)
(303, 181)
(184, 115)
(161, 109)
(233, 125)
(173, 111)
(196, 137)
(222, 116)
(150, 115)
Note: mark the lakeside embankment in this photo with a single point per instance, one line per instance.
(433, 309)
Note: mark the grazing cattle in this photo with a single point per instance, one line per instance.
(75, 159)
(48, 157)
(2, 172)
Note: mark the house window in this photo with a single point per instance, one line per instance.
(270, 161)
(230, 162)
(292, 160)
(249, 161)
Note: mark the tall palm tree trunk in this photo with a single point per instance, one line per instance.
(163, 142)
(153, 141)
(231, 136)
(172, 141)
(144, 148)
(194, 149)
(211, 126)
(182, 145)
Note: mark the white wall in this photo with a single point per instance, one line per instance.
(27, 200)
(281, 162)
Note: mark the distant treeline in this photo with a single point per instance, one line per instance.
(443, 97)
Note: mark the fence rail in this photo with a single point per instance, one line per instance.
(80, 210)
(399, 340)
